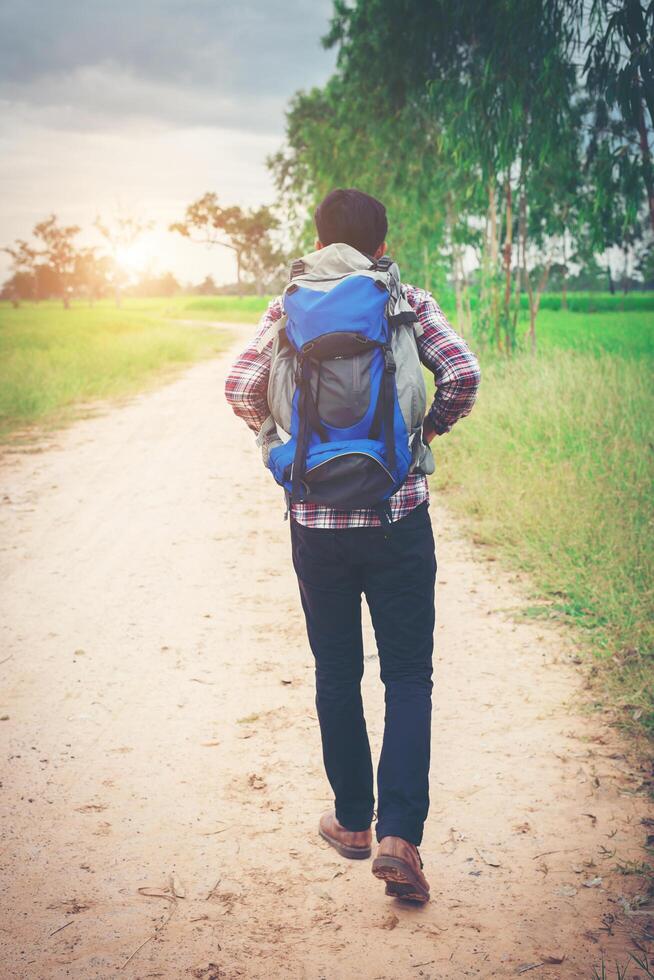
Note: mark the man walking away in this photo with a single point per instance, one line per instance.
(332, 385)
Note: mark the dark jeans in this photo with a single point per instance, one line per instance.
(396, 570)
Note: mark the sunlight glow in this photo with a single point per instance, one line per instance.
(133, 259)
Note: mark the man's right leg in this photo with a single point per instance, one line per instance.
(330, 589)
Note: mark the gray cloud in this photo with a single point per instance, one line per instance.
(206, 62)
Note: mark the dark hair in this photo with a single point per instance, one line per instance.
(352, 217)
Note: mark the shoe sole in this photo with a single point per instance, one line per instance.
(354, 853)
(401, 881)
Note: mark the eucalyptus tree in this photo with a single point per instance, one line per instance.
(448, 108)
(619, 73)
(334, 139)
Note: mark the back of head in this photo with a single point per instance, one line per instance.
(352, 217)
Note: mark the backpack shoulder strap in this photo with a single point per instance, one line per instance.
(400, 312)
(270, 334)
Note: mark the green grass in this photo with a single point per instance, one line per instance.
(624, 334)
(555, 470)
(596, 302)
(245, 310)
(51, 358)
(230, 309)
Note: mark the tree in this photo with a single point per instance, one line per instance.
(151, 284)
(21, 284)
(206, 288)
(60, 254)
(644, 264)
(92, 274)
(454, 128)
(121, 233)
(248, 234)
(620, 74)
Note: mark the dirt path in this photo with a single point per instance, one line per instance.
(162, 777)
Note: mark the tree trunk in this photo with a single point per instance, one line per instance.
(456, 270)
(532, 326)
(492, 215)
(508, 248)
(610, 278)
(238, 275)
(564, 284)
(427, 267)
(508, 255)
(467, 310)
(534, 301)
(493, 248)
(457, 289)
(648, 174)
(522, 252)
(533, 307)
(625, 270)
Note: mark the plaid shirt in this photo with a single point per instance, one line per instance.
(442, 351)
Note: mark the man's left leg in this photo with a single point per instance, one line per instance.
(399, 586)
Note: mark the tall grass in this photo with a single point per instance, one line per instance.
(52, 358)
(555, 470)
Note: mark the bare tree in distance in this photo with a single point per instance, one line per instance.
(246, 233)
(92, 274)
(120, 233)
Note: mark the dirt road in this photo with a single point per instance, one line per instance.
(162, 776)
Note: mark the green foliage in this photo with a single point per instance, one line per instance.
(51, 359)
(555, 471)
(482, 138)
(248, 234)
(620, 76)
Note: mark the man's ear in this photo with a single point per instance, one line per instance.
(319, 245)
(380, 251)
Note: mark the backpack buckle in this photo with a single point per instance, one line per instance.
(389, 361)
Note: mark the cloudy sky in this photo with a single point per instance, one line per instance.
(142, 105)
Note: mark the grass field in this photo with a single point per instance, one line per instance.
(554, 471)
(230, 309)
(52, 359)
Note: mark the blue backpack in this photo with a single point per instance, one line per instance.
(349, 444)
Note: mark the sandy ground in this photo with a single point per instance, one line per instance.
(162, 775)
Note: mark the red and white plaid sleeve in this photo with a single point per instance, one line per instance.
(246, 386)
(454, 366)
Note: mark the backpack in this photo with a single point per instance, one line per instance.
(346, 389)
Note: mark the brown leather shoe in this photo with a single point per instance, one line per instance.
(398, 864)
(350, 843)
